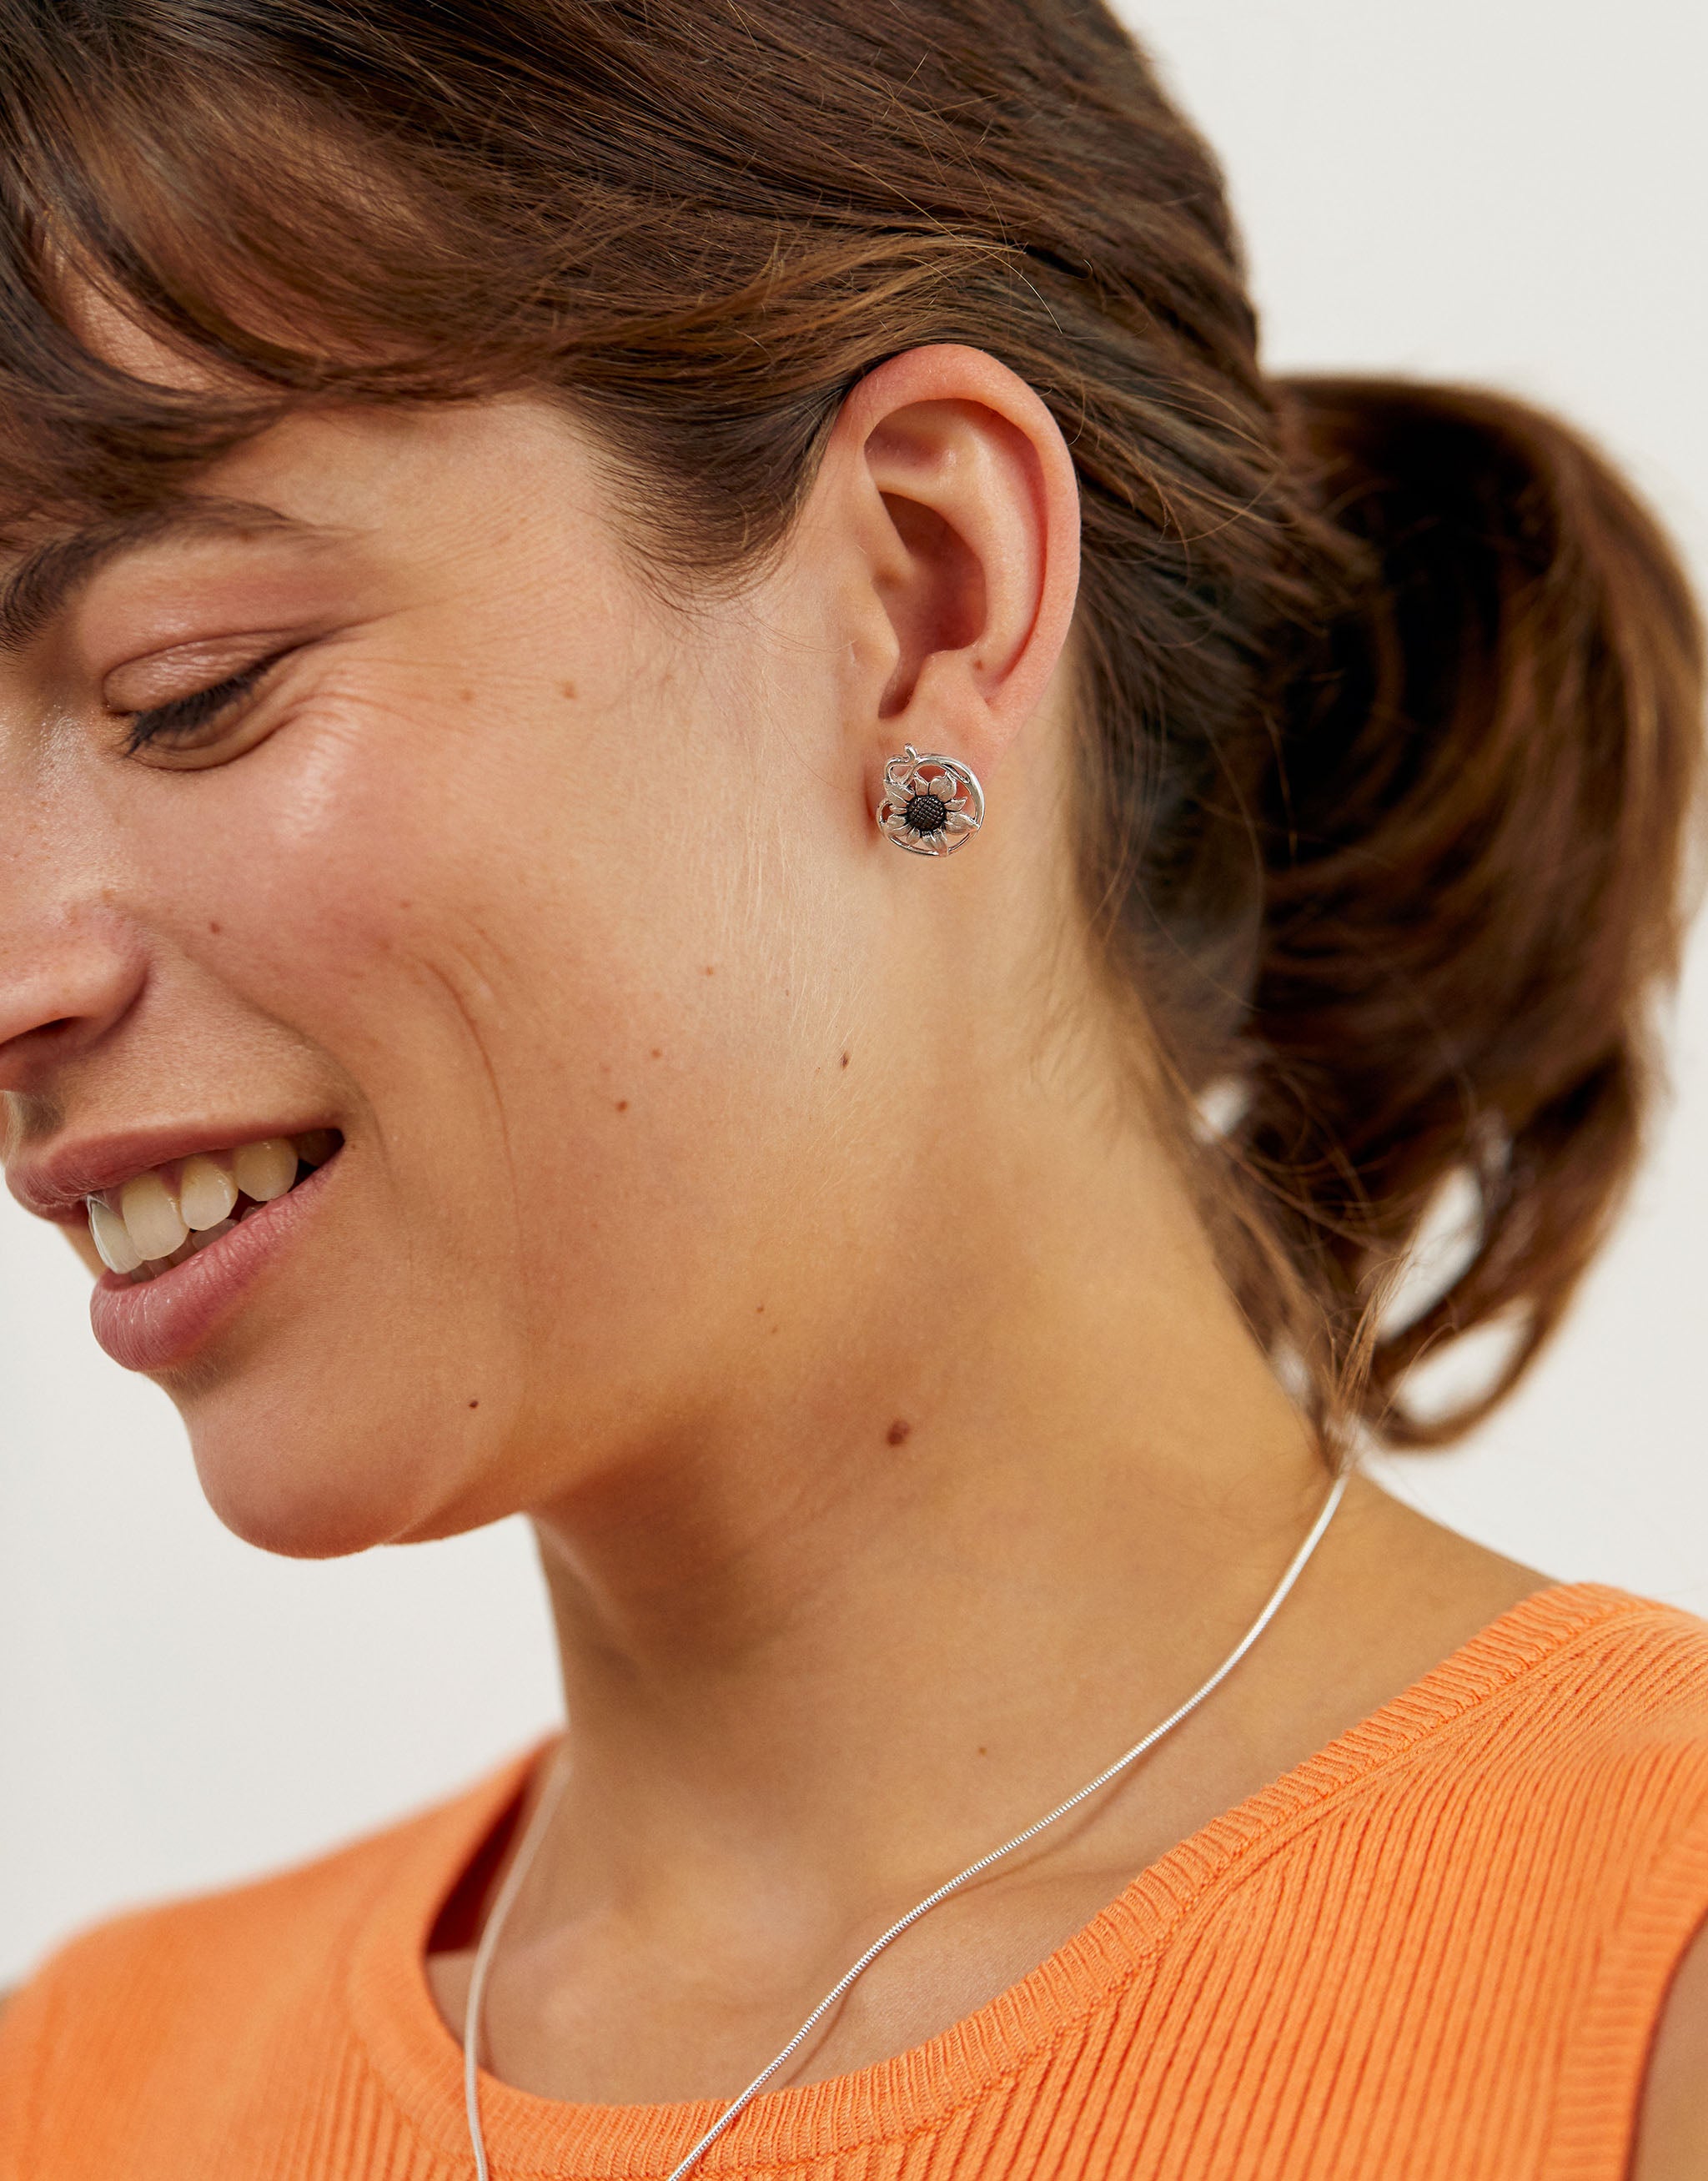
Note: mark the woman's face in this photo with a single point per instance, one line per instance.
(563, 907)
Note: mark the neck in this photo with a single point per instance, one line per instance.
(897, 1596)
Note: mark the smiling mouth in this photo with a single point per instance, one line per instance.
(158, 1218)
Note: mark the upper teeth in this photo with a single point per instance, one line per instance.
(155, 1213)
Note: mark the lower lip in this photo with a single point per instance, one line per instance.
(151, 1325)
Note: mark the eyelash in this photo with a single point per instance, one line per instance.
(184, 714)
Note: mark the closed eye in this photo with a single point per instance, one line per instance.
(184, 716)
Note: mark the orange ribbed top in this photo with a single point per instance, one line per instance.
(1434, 1951)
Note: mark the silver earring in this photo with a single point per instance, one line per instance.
(931, 805)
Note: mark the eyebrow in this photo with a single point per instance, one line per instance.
(46, 580)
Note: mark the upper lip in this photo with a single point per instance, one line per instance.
(55, 1185)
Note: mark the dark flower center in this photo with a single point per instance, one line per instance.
(926, 813)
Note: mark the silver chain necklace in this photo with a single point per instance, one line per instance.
(548, 1802)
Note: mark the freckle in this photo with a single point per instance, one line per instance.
(567, 689)
(761, 1307)
(898, 1431)
(622, 1104)
(474, 1405)
(844, 1060)
(658, 1053)
(216, 929)
(983, 1752)
(465, 696)
(711, 969)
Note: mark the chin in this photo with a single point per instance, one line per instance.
(298, 1478)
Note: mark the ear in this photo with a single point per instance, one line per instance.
(954, 496)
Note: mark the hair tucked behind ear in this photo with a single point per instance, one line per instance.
(1472, 838)
(1389, 697)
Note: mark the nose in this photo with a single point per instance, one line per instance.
(62, 989)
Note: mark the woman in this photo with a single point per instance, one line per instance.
(514, 514)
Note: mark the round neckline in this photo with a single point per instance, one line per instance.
(392, 2006)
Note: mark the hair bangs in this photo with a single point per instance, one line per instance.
(191, 245)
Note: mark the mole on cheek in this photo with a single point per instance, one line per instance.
(622, 1104)
(898, 1431)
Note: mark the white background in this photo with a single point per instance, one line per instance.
(1501, 190)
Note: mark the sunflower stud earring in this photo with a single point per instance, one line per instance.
(931, 805)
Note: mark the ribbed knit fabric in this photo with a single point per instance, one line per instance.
(1436, 1951)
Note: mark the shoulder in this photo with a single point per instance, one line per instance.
(199, 1996)
(1599, 1756)
(199, 1948)
(287, 1908)
(297, 1899)
(1586, 1741)
(1658, 1655)
(166, 2002)
(1589, 1677)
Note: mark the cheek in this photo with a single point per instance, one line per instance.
(579, 1006)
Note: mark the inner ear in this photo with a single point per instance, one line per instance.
(935, 602)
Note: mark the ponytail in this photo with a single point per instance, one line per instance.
(1474, 846)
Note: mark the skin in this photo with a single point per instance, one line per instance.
(778, 1221)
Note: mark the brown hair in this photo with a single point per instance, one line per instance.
(1390, 693)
